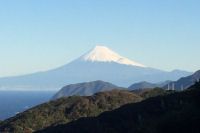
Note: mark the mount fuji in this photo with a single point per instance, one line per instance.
(98, 64)
(103, 54)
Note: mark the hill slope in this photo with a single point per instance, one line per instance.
(85, 89)
(150, 92)
(67, 109)
(185, 82)
(175, 112)
(145, 84)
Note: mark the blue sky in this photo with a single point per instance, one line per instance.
(37, 35)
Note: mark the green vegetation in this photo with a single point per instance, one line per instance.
(67, 109)
(115, 111)
(154, 92)
(150, 92)
(174, 112)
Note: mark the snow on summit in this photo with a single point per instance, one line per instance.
(104, 54)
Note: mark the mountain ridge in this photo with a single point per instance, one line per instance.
(145, 84)
(84, 71)
(85, 89)
(184, 82)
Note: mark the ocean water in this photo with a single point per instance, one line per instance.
(13, 102)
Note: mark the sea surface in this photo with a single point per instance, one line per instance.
(13, 102)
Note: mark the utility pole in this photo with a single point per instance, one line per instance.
(181, 87)
(168, 87)
(173, 87)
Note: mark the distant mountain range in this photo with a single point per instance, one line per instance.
(145, 84)
(89, 88)
(184, 82)
(98, 64)
(85, 89)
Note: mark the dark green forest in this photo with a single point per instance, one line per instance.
(175, 112)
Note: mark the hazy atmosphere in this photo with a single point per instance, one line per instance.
(99, 66)
(38, 35)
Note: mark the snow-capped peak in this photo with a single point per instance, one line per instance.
(104, 54)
